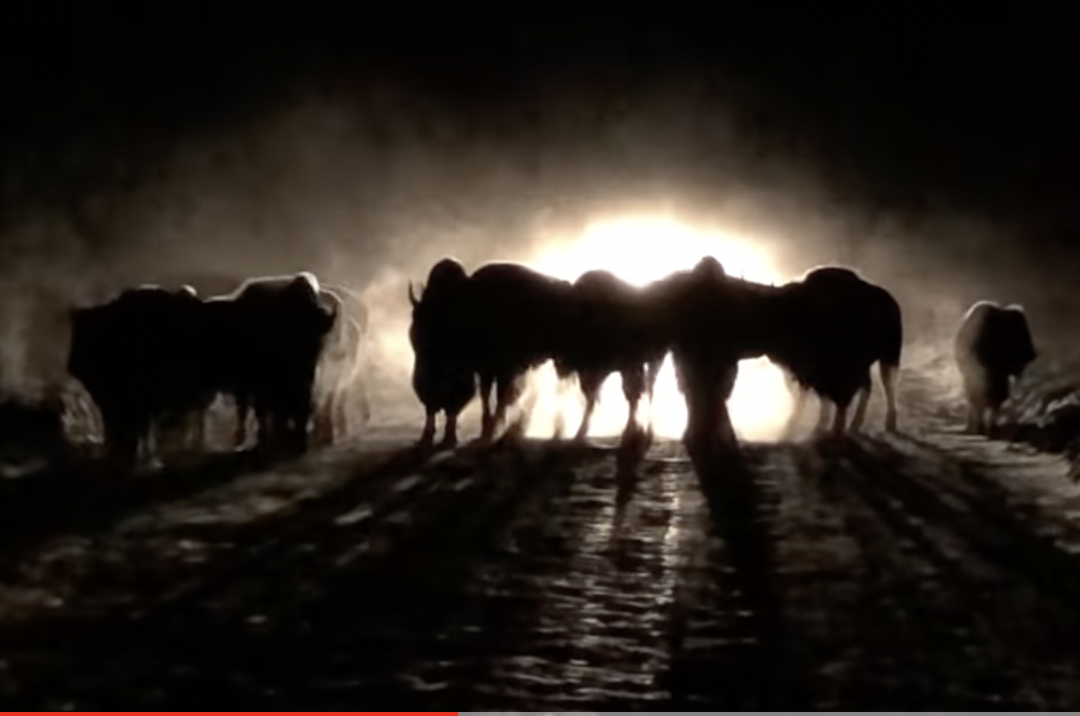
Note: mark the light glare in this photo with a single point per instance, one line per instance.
(640, 250)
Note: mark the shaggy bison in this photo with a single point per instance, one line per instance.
(611, 329)
(152, 354)
(269, 336)
(443, 376)
(713, 322)
(339, 372)
(138, 357)
(519, 322)
(992, 349)
(827, 331)
(493, 326)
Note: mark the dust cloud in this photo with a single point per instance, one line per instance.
(368, 188)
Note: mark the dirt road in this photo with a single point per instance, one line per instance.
(923, 571)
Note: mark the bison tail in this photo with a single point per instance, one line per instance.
(893, 334)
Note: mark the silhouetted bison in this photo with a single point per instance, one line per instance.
(444, 375)
(495, 325)
(612, 327)
(139, 358)
(269, 335)
(714, 321)
(828, 330)
(992, 348)
(518, 322)
(152, 354)
(339, 375)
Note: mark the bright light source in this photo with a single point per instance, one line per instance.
(640, 250)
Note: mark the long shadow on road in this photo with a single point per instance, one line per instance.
(722, 678)
(478, 579)
(996, 597)
(89, 497)
(311, 610)
(969, 504)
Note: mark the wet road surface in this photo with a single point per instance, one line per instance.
(925, 571)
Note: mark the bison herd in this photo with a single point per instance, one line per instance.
(153, 357)
(826, 331)
(287, 349)
(486, 330)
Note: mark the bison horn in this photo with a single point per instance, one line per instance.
(412, 296)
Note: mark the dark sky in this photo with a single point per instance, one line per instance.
(946, 108)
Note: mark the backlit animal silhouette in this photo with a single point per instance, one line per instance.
(992, 348)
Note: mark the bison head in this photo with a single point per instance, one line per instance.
(446, 274)
(709, 267)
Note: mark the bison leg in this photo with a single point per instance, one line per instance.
(427, 436)
(323, 427)
(339, 423)
(131, 441)
(823, 414)
(151, 434)
(652, 372)
(708, 418)
(301, 418)
(268, 423)
(450, 436)
(717, 420)
(114, 435)
(860, 409)
(634, 385)
(243, 407)
(840, 419)
(583, 429)
(487, 421)
(888, 381)
(726, 430)
(145, 443)
(200, 429)
(337, 414)
(506, 393)
(591, 383)
(363, 401)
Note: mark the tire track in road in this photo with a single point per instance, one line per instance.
(920, 615)
(1012, 520)
(600, 593)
